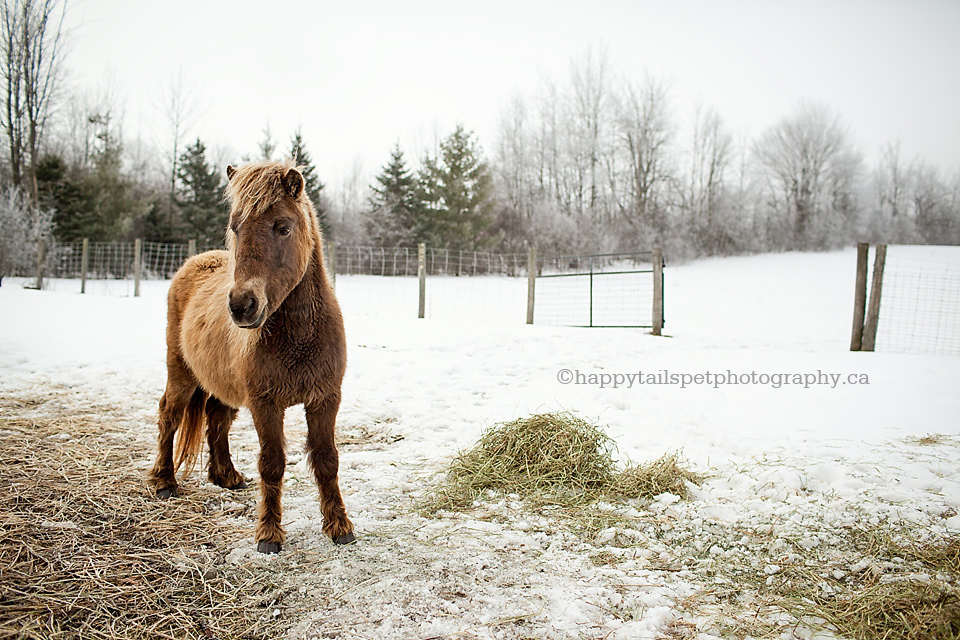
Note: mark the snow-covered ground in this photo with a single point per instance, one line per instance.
(811, 438)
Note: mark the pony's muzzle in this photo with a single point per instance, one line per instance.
(246, 309)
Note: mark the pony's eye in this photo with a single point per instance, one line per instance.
(284, 229)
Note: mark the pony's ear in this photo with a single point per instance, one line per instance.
(231, 172)
(293, 182)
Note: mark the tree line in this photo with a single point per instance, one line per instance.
(601, 164)
(595, 162)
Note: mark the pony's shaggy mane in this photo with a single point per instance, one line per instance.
(254, 188)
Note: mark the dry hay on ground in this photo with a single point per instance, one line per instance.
(87, 551)
(553, 458)
(908, 604)
(561, 460)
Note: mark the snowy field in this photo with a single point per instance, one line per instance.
(811, 440)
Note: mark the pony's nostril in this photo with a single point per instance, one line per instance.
(243, 307)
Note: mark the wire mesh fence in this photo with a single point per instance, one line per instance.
(604, 290)
(403, 261)
(110, 260)
(598, 290)
(920, 302)
(115, 260)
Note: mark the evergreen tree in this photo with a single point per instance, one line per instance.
(311, 183)
(395, 215)
(98, 202)
(199, 196)
(68, 194)
(267, 146)
(456, 191)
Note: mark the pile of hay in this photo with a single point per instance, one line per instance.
(87, 551)
(553, 458)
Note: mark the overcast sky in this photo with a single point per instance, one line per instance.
(358, 76)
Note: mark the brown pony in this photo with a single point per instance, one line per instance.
(256, 326)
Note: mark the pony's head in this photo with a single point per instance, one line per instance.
(271, 236)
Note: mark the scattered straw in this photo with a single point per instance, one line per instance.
(87, 551)
(902, 609)
(664, 475)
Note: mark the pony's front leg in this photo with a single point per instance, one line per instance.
(268, 419)
(221, 472)
(325, 460)
(180, 394)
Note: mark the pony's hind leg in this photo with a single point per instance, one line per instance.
(268, 419)
(221, 471)
(325, 460)
(173, 404)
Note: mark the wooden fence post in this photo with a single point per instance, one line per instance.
(84, 264)
(422, 276)
(40, 256)
(137, 261)
(657, 292)
(859, 297)
(191, 248)
(531, 282)
(873, 309)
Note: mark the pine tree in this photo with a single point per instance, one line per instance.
(395, 215)
(456, 190)
(97, 201)
(199, 196)
(312, 184)
(267, 146)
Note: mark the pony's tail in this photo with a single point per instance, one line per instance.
(190, 433)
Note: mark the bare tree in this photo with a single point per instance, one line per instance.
(588, 105)
(805, 158)
(346, 204)
(930, 199)
(180, 110)
(645, 133)
(892, 180)
(77, 134)
(31, 56)
(22, 225)
(710, 157)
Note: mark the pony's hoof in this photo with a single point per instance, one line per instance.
(237, 487)
(347, 538)
(268, 547)
(166, 494)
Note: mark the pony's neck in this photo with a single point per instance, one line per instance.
(313, 287)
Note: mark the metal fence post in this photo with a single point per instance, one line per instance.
(40, 256)
(531, 281)
(84, 264)
(591, 291)
(137, 261)
(422, 277)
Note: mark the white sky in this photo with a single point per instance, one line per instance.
(358, 76)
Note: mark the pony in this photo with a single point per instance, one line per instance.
(256, 326)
